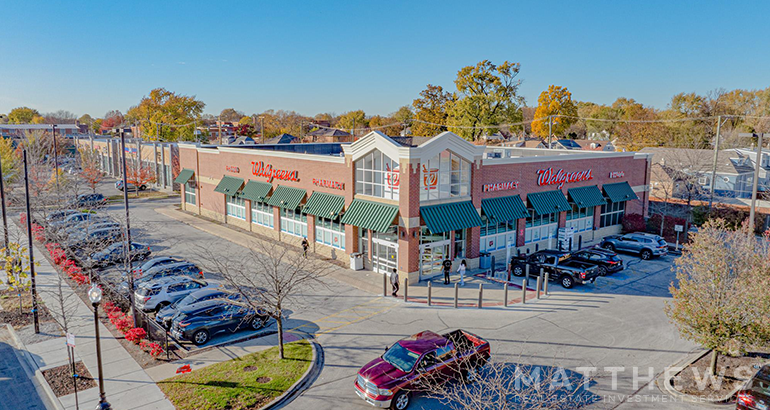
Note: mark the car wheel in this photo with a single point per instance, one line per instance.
(401, 401)
(567, 282)
(200, 337)
(160, 306)
(646, 254)
(258, 322)
(518, 270)
(609, 247)
(602, 271)
(143, 187)
(470, 375)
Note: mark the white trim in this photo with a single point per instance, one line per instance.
(371, 141)
(557, 155)
(447, 141)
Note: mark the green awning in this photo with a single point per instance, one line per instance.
(287, 197)
(370, 215)
(324, 205)
(587, 196)
(184, 176)
(256, 191)
(229, 185)
(619, 192)
(506, 208)
(548, 202)
(450, 217)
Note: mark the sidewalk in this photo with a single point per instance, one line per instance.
(126, 384)
(493, 293)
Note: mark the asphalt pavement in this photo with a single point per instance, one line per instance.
(615, 325)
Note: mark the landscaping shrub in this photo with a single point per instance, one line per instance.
(633, 223)
(135, 335)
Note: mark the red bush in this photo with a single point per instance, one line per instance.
(135, 335)
(23, 218)
(633, 223)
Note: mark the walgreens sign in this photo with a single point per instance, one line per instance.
(262, 169)
(550, 177)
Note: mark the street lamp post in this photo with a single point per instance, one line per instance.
(95, 295)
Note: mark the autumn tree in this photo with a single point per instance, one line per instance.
(60, 117)
(430, 111)
(11, 162)
(139, 174)
(487, 97)
(230, 115)
(177, 112)
(22, 115)
(353, 120)
(556, 103)
(112, 119)
(90, 171)
(721, 297)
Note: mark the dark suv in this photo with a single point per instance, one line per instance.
(559, 266)
(606, 261)
(90, 201)
(199, 321)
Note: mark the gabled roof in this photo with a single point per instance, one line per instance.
(328, 132)
(567, 143)
(283, 139)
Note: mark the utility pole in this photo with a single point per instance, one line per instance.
(5, 219)
(714, 165)
(262, 131)
(354, 129)
(127, 245)
(550, 133)
(756, 180)
(31, 249)
(157, 128)
(55, 158)
(219, 128)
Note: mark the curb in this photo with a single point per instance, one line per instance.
(30, 367)
(667, 384)
(310, 376)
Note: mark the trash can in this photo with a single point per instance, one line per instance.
(485, 260)
(357, 261)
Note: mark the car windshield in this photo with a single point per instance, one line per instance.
(189, 299)
(661, 242)
(401, 357)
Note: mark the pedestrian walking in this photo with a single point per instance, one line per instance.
(447, 264)
(461, 271)
(394, 282)
(305, 245)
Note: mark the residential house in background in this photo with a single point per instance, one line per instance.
(328, 135)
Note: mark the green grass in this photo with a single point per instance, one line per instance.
(228, 386)
(142, 194)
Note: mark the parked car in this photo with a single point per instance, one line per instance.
(166, 315)
(559, 266)
(755, 394)
(90, 201)
(115, 254)
(606, 261)
(200, 321)
(131, 186)
(174, 269)
(60, 215)
(390, 380)
(645, 244)
(74, 219)
(156, 261)
(93, 240)
(156, 294)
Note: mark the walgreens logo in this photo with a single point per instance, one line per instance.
(262, 169)
(550, 177)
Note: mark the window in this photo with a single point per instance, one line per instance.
(189, 192)
(582, 219)
(377, 175)
(445, 176)
(612, 213)
(261, 214)
(497, 235)
(236, 207)
(294, 222)
(540, 227)
(330, 232)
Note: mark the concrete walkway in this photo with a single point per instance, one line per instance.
(493, 294)
(126, 384)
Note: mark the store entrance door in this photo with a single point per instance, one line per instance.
(384, 256)
(431, 256)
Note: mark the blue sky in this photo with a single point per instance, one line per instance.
(336, 56)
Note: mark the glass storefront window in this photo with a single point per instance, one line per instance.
(189, 192)
(612, 213)
(294, 222)
(540, 227)
(330, 232)
(377, 175)
(496, 235)
(445, 176)
(582, 219)
(262, 214)
(236, 207)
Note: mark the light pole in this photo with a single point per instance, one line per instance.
(55, 158)
(95, 295)
(31, 249)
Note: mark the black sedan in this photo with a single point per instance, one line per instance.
(756, 393)
(115, 254)
(606, 261)
(166, 315)
(89, 201)
(200, 321)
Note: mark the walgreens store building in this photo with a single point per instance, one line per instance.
(408, 203)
